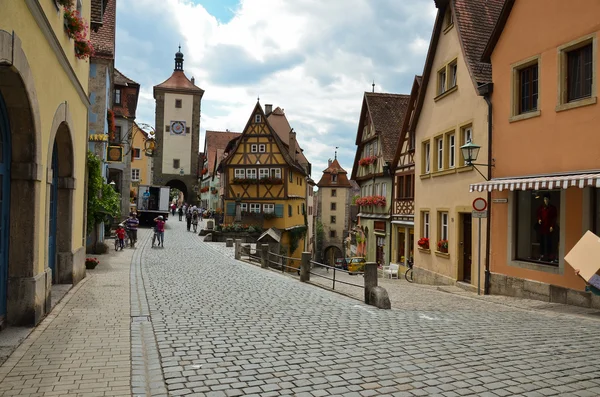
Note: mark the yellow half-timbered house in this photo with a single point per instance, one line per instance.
(267, 179)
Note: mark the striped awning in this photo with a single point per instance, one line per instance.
(539, 182)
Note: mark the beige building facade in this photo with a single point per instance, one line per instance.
(451, 112)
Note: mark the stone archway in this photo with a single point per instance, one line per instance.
(182, 187)
(28, 286)
(332, 253)
(59, 193)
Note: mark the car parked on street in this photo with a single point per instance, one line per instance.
(356, 265)
(342, 263)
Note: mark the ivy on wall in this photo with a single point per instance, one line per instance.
(103, 200)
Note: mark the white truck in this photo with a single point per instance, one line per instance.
(152, 201)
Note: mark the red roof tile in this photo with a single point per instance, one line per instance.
(334, 169)
(103, 40)
(179, 82)
(215, 142)
(387, 113)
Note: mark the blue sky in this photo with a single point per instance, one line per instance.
(315, 59)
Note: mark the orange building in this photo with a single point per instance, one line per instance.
(546, 175)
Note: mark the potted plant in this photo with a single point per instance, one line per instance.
(443, 246)
(91, 263)
(423, 243)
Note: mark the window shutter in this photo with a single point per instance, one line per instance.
(230, 210)
(279, 210)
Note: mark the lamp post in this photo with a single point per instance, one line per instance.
(470, 151)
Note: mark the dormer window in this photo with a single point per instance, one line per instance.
(257, 118)
(333, 178)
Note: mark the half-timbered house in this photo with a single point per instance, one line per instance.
(265, 182)
(379, 128)
(403, 208)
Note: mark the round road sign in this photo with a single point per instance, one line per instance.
(479, 204)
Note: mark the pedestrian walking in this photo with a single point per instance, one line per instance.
(188, 219)
(132, 224)
(180, 213)
(160, 230)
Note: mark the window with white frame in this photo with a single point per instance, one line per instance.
(257, 118)
(466, 136)
(427, 157)
(276, 172)
(451, 151)
(251, 173)
(439, 143)
(262, 148)
(425, 224)
(376, 189)
(375, 148)
(443, 219)
(240, 173)
(254, 148)
(255, 207)
(269, 208)
(244, 207)
(135, 174)
(263, 173)
(384, 189)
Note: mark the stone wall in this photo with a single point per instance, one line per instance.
(424, 276)
(501, 284)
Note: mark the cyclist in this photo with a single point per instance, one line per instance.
(121, 236)
(159, 231)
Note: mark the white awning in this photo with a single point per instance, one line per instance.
(539, 182)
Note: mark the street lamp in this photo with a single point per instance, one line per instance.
(112, 184)
(470, 151)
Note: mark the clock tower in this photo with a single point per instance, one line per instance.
(177, 128)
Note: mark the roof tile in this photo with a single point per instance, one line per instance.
(217, 141)
(387, 113)
(103, 40)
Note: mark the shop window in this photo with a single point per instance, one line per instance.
(537, 226)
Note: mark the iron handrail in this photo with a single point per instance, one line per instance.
(283, 256)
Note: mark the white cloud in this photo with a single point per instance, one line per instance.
(313, 58)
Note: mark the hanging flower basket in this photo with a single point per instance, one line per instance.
(378, 201)
(84, 49)
(423, 243)
(443, 246)
(366, 161)
(74, 23)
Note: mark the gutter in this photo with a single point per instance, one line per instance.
(485, 91)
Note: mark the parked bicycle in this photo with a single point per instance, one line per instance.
(408, 275)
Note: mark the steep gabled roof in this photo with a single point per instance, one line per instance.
(129, 95)
(282, 127)
(387, 113)
(214, 142)
(121, 79)
(475, 20)
(491, 44)
(334, 168)
(414, 96)
(280, 145)
(103, 39)
(473, 33)
(178, 82)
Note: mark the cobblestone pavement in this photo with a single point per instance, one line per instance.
(83, 346)
(228, 328)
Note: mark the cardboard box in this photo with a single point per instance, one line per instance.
(585, 255)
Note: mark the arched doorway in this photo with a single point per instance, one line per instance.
(179, 185)
(4, 207)
(331, 254)
(53, 213)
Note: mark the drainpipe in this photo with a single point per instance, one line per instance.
(486, 91)
(393, 174)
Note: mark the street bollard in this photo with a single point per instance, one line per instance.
(305, 267)
(229, 243)
(370, 279)
(238, 249)
(264, 256)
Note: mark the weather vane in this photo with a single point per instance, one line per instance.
(336, 148)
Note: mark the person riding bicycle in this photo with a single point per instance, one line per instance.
(132, 224)
(121, 235)
(160, 230)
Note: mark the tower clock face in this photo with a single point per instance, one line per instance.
(178, 127)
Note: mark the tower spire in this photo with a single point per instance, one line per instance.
(373, 85)
(179, 60)
(336, 148)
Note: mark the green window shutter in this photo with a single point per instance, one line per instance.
(279, 210)
(230, 209)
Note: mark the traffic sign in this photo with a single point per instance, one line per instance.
(479, 214)
(479, 204)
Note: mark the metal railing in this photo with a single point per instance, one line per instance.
(251, 254)
(282, 263)
(333, 279)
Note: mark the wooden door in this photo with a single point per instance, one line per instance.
(467, 244)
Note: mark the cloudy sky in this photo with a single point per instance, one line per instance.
(313, 58)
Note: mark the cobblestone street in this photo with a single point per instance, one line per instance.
(190, 320)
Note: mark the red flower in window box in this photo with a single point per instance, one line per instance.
(423, 243)
(65, 3)
(204, 171)
(378, 201)
(442, 246)
(204, 189)
(366, 161)
(74, 23)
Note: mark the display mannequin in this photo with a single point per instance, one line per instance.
(546, 218)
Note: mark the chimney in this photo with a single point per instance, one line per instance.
(293, 145)
(268, 109)
(329, 163)
(193, 80)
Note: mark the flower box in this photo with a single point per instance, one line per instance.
(366, 161)
(204, 189)
(91, 263)
(68, 4)
(443, 246)
(204, 171)
(423, 243)
(270, 181)
(243, 181)
(378, 201)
